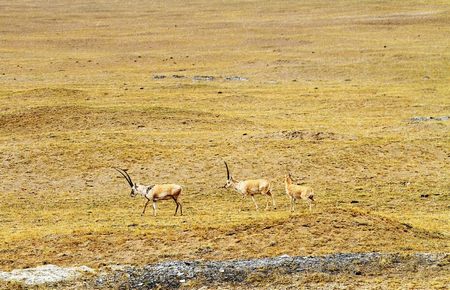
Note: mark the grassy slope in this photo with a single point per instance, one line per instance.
(71, 107)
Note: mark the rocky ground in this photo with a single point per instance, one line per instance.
(248, 273)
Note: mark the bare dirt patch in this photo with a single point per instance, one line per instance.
(78, 118)
(49, 93)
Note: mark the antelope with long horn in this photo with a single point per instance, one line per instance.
(250, 188)
(154, 192)
(295, 191)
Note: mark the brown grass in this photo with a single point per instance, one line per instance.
(77, 97)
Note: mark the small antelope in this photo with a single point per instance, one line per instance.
(295, 191)
(250, 187)
(154, 192)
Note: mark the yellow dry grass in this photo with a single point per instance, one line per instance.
(78, 96)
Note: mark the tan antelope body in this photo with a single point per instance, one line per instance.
(250, 188)
(295, 191)
(155, 192)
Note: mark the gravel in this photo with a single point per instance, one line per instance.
(175, 274)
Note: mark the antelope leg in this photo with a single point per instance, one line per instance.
(145, 206)
(254, 201)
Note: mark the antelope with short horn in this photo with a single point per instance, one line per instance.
(154, 192)
(250, 188)
(295, 191)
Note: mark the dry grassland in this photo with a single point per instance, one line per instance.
(329, 92)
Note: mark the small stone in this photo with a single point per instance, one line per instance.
(236, 78)
(203, 78)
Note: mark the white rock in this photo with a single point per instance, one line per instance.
(44, 274)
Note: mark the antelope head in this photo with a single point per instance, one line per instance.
(133, 192)
(288, 177)
(230, 179)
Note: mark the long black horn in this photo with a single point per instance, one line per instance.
(125, 175)
(129, 178)
(228, 171)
